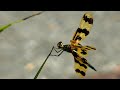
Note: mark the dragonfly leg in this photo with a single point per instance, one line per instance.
(58, 54)
(56, 50)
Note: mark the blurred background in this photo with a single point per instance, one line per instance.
(24, 46)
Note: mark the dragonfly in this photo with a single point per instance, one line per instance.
(76, 49)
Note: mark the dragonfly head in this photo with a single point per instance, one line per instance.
(60, 44)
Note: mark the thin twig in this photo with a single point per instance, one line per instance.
(43, 64)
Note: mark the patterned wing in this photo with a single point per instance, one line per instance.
(81, 64)
(80, 67)
(84, 28)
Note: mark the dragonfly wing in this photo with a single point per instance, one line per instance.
(84, 28)
(81, 64)
(80, 67)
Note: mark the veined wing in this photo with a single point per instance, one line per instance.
(80, 67)
(81, 64)
(84, 28)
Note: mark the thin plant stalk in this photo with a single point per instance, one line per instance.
(2, 28)
(43, 64)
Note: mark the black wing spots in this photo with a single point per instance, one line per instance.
(88, 47)
(83, 31)
(74, 53)
(79, 30)
(81, 72)
(89, 20)
(78, 38)
(80, 64)
(85, 61)
(75, 34)
(83, 52)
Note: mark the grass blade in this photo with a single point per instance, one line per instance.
(2, 28)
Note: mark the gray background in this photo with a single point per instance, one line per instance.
(24, 46)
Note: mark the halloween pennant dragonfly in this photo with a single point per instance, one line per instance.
(76, 49)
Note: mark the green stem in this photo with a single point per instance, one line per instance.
(43, 65)
(2, 28)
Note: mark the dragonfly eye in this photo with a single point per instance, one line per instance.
(60, 44)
